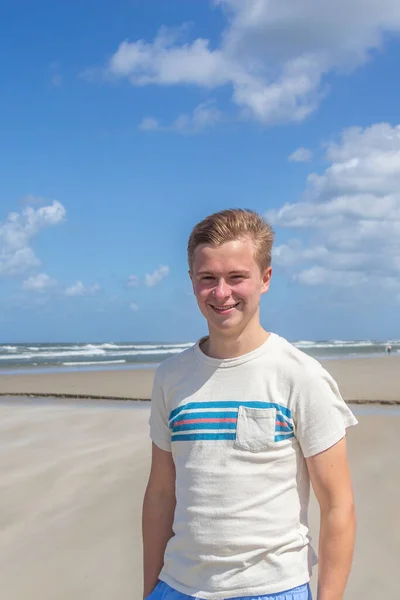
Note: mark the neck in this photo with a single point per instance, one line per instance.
(234, 345)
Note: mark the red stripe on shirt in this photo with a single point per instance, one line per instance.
(191, 421)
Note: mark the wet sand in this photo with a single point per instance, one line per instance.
(360, 380)
(126, 384)
(73, 478)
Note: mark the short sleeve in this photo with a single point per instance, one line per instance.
(159, 429)
(321, 416)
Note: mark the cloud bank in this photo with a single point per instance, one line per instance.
(17, 232)
(352, 213)
(274, 55)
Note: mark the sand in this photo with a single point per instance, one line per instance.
(374, 453)
(361, 380)
(73, 474)
(73, 478)
(129, 384)
(72, 481)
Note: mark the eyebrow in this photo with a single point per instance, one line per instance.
(236, 272)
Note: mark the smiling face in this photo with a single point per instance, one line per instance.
(227, 282)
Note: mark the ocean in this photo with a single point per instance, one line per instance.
(115, 355)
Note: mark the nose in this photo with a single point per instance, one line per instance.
(221, 290)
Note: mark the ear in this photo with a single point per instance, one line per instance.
(266, 280)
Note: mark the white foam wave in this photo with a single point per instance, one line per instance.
(99, 346)
(86, 352)
(109, 346)
(362, 343)
(90, 353)
(147, 352)
(158, 346)
(14, 357)
(114, 352)
(67, 348)
(25, 356)
(337, 344)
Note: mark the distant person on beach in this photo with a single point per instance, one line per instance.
(240, 424)
(388, 349)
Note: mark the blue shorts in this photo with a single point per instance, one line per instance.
(163, 591)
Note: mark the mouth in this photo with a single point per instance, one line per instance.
(224, 310)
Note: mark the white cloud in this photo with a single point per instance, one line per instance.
(322, 276)
(149, 124)
(133, 281)
(16, 232)
(274, 55)
(78, 289)
(352, 213)
(38, 283)
(203, 116)
(157, 276)
(301, 155)
(134, 307)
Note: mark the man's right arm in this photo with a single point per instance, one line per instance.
(158, 515)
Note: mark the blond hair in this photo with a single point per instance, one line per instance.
(234, 224)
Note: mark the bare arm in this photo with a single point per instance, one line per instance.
(330, 476)
(158, 515)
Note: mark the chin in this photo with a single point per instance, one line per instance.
(229, 324)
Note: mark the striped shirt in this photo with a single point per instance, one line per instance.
(239, 430)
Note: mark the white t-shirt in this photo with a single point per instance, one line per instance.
(239, 430)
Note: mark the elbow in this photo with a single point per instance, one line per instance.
(350, 516)
(342, 516)
(155, 494)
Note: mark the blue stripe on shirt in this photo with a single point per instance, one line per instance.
(230, 404)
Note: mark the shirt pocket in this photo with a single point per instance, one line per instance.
(255, 429)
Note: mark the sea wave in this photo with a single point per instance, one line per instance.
(338, 344)
(46, 354)
(67, 348)
(161, 346)
(134, 353)
(90, 353)
(98, 346)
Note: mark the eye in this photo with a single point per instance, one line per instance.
(206, 278)
(237, 277)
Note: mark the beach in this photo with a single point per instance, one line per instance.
(74, 472)
(359, 380)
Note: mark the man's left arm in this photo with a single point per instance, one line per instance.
(331, 480)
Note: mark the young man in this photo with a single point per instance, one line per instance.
(240, 423)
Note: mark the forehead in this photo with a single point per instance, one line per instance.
(230, 256)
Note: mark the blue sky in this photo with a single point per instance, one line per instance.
(123, 124)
